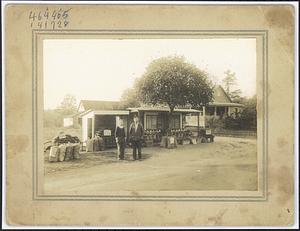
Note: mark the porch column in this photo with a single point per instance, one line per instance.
(93, 126)
(181, 121)
(215, 112)
(198, 130)
(204, 114)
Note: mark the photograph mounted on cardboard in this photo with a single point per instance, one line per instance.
(187, 109)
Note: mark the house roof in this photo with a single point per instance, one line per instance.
(162, 109)
(77, 114)
(220, 96)
(99, 105)
(226, 104)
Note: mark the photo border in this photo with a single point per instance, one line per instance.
(35, 179)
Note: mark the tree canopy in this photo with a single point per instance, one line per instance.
(175, 82)
(130, 98)
(229, 82)
(68, 105)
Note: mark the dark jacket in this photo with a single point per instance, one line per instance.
(120, 133)
(136, 134)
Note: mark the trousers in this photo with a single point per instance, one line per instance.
(121, 149)
(137, 145)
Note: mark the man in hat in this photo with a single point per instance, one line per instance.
(136, 133)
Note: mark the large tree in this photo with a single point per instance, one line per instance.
(130, 98)
(68, 105)
(174, 82)
(229, 82)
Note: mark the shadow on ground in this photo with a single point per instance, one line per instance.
(88, 159)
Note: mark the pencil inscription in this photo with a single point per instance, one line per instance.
(49, 18)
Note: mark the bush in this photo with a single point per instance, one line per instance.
(246, 120)
(232, 123)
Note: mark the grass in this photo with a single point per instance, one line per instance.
(50, 132)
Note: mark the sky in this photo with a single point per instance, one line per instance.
(101, 69)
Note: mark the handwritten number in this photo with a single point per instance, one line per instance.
(46, 14)
(66, 23)
(54, 15)
(39, 16)
(59, 14)
(40, 24)
(65, 14)
(59, 18)
(32, 16)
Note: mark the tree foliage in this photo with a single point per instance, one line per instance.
(247, 118)
(174, 82)
(229, 80)
(130, 98)
(54, 117)
(68, 105)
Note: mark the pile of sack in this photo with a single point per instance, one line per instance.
(64, 152)
(94, 145)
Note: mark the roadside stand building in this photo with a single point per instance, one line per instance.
(186, 125)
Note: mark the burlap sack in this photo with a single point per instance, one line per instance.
(76, 148)
(53, 155)
(69, 152)
(61, 152)
(89, 145)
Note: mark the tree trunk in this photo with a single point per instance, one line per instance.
(169, 116)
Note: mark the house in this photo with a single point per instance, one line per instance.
(222, 105)
(155, 117)
(103, 116)
(85, 105)
(100, 116)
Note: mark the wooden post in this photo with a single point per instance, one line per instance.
(93, 126)
(215, 112)
(204, 115)
(198, 124)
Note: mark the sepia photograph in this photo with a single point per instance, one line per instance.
(149, 115)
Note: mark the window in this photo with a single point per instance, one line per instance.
(220, 111)
(175, 122)
(210, 111)
(151, 122)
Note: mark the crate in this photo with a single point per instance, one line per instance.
(148, 143)
(186, 141)
(194, 140)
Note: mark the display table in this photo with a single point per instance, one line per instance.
(168, 142)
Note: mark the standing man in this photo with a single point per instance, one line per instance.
(120, 139)
(136, 133)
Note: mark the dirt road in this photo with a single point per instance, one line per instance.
(226, 164)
